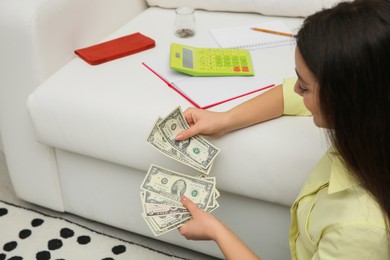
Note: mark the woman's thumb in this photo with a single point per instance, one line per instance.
(185, 134)
(188, 204)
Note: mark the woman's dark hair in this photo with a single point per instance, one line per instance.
(347, 48)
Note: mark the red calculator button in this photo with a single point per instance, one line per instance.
(245, 69)
(236, 68)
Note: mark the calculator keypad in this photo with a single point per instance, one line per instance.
(222, 60)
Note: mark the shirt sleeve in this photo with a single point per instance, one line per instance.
(293, 103)
(354, 242)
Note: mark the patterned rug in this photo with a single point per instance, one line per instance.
(28, 234)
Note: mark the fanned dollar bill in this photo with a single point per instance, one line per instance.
(161, 191)
(173, 185)
(197, 149)
(156, 139)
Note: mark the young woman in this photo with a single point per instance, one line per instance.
(343, 210)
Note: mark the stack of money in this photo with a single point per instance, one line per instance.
(161, 192)
(195, 152)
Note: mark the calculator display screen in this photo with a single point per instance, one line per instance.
(188, 61)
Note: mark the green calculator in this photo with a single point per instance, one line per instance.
(210, 61)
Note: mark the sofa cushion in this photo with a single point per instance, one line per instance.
(107, 111)
(300, 8)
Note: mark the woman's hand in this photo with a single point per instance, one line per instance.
(202, 226)
(203, 122)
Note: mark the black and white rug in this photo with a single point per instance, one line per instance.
(28, 234)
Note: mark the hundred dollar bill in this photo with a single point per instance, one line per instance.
(162, 210)
(160, 205)
(196, 148)
(155, 229)
(168, 221)
(156, 139)
(173, 185)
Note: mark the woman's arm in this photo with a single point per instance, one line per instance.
(263, 107)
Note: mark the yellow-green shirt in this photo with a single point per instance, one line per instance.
(333, 216)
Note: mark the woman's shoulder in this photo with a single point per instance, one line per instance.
(293, 103)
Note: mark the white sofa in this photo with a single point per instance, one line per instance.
(74, 135)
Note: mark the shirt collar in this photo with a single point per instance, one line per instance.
(340, 178)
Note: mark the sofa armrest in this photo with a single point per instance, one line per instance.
(38, 38)
(52, 29)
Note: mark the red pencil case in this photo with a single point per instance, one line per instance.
(116, 48)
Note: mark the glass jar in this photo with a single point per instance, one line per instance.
(185, 22)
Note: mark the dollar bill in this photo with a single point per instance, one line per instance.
(155, 229)
(159, 204)
(197, 149)
(168, 221)
(154, 201)
(155, 198)
(173, 185)
(156, 139)
(212, 179)
(162, 209)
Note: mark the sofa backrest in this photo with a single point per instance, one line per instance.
(300, 8)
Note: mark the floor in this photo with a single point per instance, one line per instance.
(7, 194)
